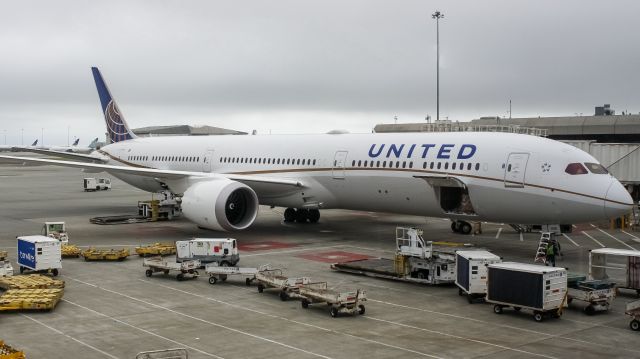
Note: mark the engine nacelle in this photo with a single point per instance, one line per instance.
(220, 204)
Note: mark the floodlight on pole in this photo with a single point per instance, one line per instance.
(437, 15)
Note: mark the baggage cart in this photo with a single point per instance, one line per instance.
(220, 273)
(30, 299)
(597, 293)
(624, 264)
(70, 251)
(185, 270)
(7, 352)
(273, 278)
(156, 249)
(57, 230)
(348, 302)
(30, 281)
(471, 272)
(39, 254)
(540, 289)
(633, 310)
(94, 254)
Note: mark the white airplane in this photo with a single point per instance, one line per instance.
(74, 148)
(14, 148)
(497, 177)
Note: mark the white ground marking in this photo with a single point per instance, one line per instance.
(521, 237)
(595, 240)
(143, 330)
(70, 337)
(291, 251)
(203, 320)
(240, 307)
(498, 234)
(607, 234)
(632, 236)
(571, 240)
(459, 337)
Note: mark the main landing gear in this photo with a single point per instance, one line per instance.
(301, 215)
(461, 227)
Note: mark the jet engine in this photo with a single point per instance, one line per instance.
(220, 204)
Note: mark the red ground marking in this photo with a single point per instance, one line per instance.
(334, 257)
(264, 246)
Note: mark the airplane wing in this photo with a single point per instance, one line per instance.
(162, 175)
(68, 155)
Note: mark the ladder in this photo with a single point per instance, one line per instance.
(541, 253)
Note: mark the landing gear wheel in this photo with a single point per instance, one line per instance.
(148, 272)
(260, 288)
(333, 311)
(289, 215)
(54, 272)
(305, 304)
(634, 325)
(284, 296)
(314, 215)
(465, 228)
(213, 280)
(454, 227)
(302, 215)
(460, 292)
(223, 277)
(180, 277)
(21, 269)
(247, 281)
(497, 309)
(538, 316)
(361, 309)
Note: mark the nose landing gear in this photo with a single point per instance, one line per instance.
(461, 227)
(301, 215)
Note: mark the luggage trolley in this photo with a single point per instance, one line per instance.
(633, 310)
(220, 273)
(186, 269)
(273, 278)
(348, 302)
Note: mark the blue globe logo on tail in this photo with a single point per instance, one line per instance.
(117, 127)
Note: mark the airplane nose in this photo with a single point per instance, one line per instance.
(618, 201)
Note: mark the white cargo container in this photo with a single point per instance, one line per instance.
(471, 272)
(39, 253)
(224, 251)
(622, 264)
(6, 270)
(541, 289)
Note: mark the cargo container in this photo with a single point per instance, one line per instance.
(621, 265)
(538, 288)
(471, 272)
(39, 254)
(221, 250)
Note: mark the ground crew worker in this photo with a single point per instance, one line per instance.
(551, 254)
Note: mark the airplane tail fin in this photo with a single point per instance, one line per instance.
(117, 127)
(35, 143)
(75, 143)
(94, 143)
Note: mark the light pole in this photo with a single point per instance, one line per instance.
(437, 15)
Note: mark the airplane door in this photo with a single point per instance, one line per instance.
(515, 169)
(339, 161)
(206, 162)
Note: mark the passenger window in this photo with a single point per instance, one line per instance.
(378, 164)
(314, 162)
(509, 168)
(439, 165)
(397, 164)
(453, 166)
(359, 163)
(411, 164)
(575, 169)
(468, 166)
(446, 165)
(477, 166)
(365, 163)
(431, 165)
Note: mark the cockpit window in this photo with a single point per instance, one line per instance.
(596, 168)
(576, 169)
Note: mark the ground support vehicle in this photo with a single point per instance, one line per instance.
(94, 254)
(347, 302)
(208, 250)
(540, 289)
(471, 272)
(415, 261)
(185, 270)
(598, 294)
(30, 281)
(273, 278)
(57, 230)
(96, 184)
(166, 206)
(156, 249)
(39, 254)
(30, 299)
(604, 262)
(633, 310)
(220, 273)
(7, 352)
(70, 251)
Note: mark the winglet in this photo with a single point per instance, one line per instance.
(117, 127)
(75, 143)
(94, 143)
(35, 143)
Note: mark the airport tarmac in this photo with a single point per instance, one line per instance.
(112, 310)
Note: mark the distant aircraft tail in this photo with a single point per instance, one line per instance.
(94, 143)
(35, 143)
(75, 143)
(117, 127)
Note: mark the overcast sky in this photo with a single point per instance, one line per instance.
(309, 66)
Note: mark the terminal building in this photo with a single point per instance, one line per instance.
(612, 139)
